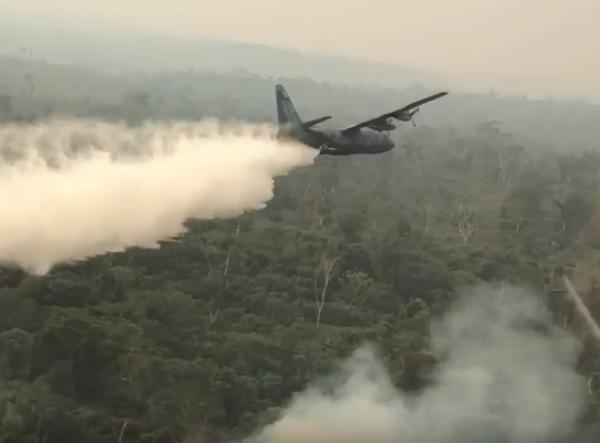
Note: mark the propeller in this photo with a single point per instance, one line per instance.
(412, 114)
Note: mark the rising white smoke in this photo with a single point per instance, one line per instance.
(506, 375)
(74, 189)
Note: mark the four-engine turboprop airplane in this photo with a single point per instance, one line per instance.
(368, 137)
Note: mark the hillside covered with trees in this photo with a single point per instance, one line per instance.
(33, 89)
(214, 332)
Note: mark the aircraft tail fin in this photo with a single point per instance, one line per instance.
(286, 112)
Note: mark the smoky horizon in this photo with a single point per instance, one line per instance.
(532, 50)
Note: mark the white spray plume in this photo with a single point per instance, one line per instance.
(506, 375)
(74, 189)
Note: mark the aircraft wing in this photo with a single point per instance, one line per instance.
(382, 119)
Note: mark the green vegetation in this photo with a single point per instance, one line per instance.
(214, 331)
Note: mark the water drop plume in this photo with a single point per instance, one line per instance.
(72, 189)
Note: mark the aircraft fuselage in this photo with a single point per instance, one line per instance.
(333, 142)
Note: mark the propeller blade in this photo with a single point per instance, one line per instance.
(412, 115)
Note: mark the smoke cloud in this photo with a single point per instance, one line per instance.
(505, 375)
(72, 189)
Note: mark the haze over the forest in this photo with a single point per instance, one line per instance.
(537, 48)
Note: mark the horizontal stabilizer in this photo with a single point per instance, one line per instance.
(316, 121)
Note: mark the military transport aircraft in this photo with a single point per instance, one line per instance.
(368, 137)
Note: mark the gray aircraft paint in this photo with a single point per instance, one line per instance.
(368, 137)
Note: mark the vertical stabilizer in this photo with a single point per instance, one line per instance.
(286, 112)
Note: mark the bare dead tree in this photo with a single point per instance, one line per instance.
(519, 223)
(325, 271)
(466, 225)
(561, 212)
(209, 249)
(590, 385)
(238, 229)
(122, 433)
(305, 196)
(212, 317)
(227, 263)
(230, 251)
(41, 430)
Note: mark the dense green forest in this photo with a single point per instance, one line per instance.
(212, 333)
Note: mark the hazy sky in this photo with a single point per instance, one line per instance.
(523, 46)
